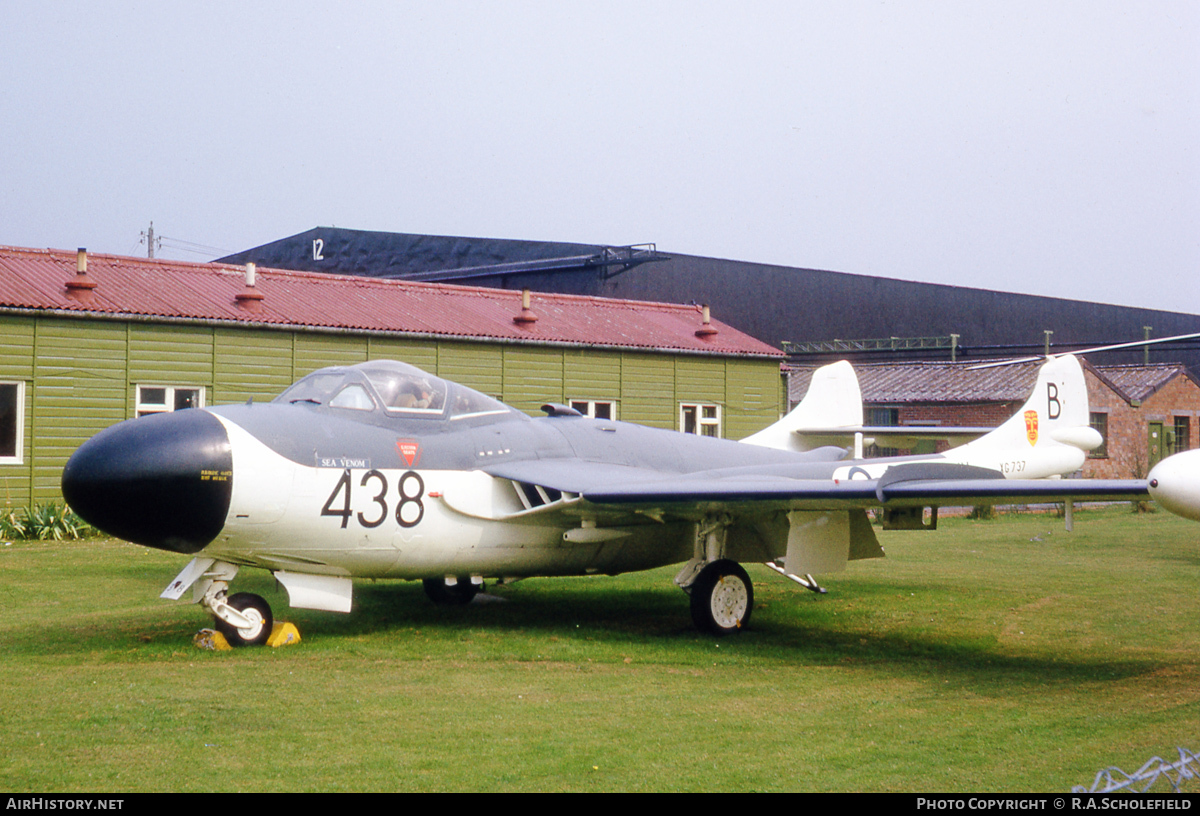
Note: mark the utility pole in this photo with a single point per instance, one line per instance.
(148, 237)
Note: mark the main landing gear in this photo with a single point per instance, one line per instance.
(459, 593)
(722, 596)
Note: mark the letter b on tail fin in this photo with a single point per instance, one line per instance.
(1049, 435)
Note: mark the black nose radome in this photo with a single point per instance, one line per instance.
(162, 480)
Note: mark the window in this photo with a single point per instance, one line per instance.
(1100, 423)
(882, 417)
(1183, 434)
(354, 397)
(12, 422)
(596, 409)
(158, 399)
(697, 418)
(406, 389)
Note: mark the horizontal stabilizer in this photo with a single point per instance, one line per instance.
(889, 436)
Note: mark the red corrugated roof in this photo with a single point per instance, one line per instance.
(36, 279)
(915, 382)
(1142, 381)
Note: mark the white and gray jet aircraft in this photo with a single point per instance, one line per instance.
(381, 470)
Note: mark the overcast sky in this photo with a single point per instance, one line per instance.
(1040, 147)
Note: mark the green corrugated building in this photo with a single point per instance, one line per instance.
(88, 342)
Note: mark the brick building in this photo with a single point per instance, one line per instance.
(1144, 412)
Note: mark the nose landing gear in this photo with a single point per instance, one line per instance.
(244, 619)
(256, 617)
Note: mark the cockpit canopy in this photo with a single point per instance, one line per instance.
(394, 388)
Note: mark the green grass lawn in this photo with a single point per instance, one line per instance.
(1004, 655)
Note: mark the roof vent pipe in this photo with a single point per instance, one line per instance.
(526, 317)
(250, 298)
(80, 287)
(706, 330)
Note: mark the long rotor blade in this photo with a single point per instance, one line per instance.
(1092, 350)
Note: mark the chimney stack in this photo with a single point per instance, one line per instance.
(250, 298)
(526, 317)
(79, 288)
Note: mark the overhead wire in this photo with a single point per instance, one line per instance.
(181, 245)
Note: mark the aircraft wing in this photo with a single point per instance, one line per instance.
(813, 522)
(797, 487)
(931, 492)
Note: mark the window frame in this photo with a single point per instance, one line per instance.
(876, 414)
(18, 456)
(142, 408)
(1098, 420)
(701, 420)
(1182, 426)
(588, 408)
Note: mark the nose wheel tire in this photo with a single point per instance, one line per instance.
(457, 595)
(722, 598)
(258, 611)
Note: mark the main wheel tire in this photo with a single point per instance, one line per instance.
(459, 594)
(722, 598)
(254, 607)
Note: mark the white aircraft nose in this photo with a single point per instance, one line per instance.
(1175, 484)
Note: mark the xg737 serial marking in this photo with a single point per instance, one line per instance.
(1012, 467)
(409, 510)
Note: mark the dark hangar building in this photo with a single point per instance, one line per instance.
(815, 315)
